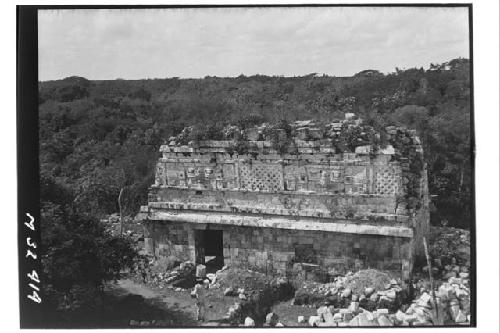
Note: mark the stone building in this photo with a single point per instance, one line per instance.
(305, 205)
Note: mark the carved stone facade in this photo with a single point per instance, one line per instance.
(342, 211)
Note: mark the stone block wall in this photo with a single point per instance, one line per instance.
(165, 239)
(318, 172)
(366, 207)
(331, 202)
(274, 251)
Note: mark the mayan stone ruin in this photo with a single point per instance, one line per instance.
(294, 208)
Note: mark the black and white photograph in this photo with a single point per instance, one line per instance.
(265, 166)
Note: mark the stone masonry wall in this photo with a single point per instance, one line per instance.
(366, 207)
(323, 203)
(214, 168)
(272, 250)
(165, 239)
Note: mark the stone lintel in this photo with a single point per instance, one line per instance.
(281, 223)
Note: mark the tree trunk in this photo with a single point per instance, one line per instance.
(120, 206)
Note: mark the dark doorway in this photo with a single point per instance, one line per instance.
(209, 249)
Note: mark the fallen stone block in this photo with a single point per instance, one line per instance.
(354, 322)
(271, 319)
(382, 312)
(460, 318)
(229, 292)
(369, 291)
(454, 310)
(314, 321)
(321, 310)
(329, 318)
(366, 319)
(400, 316)
(346, 293)
(201, 271)
(391, 294)
(301, 319)
(354, 306)
(424, 300)
(249, 322)
(212, 277)
(384, 321)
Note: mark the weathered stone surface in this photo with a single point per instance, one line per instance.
(354, 306)
(374, 297)
(314, 321)
(329, 318)
(368, 291)
(346, 293)
(365, 320)
(201, 271)
(384, 321)
(272, 319)
(321, 310)
(314, 194)
(249, 322)
(229, 292)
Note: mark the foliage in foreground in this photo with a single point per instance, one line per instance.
(78, 253)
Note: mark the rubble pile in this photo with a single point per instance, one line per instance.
(373, 289)
(156, 275)
(450, 253)
(256, 294)
(449, 306)
(242, 279)
(304, 130)
(372, 298)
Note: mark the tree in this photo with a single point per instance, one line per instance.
(77, 250)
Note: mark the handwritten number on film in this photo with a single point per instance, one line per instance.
(31, 253)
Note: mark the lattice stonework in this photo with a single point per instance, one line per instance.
(387, 180)
(261, 177)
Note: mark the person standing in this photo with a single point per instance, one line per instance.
(199, 293)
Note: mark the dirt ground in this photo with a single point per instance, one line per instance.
(179, 303)
(288, 313)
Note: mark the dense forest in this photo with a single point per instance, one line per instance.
(97, 137)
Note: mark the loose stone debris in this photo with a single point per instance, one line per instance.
(362, 299)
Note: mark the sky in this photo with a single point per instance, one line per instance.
(101, 44)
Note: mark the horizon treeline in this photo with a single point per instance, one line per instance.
(97, 137)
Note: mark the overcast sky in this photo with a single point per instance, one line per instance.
(159, 43)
